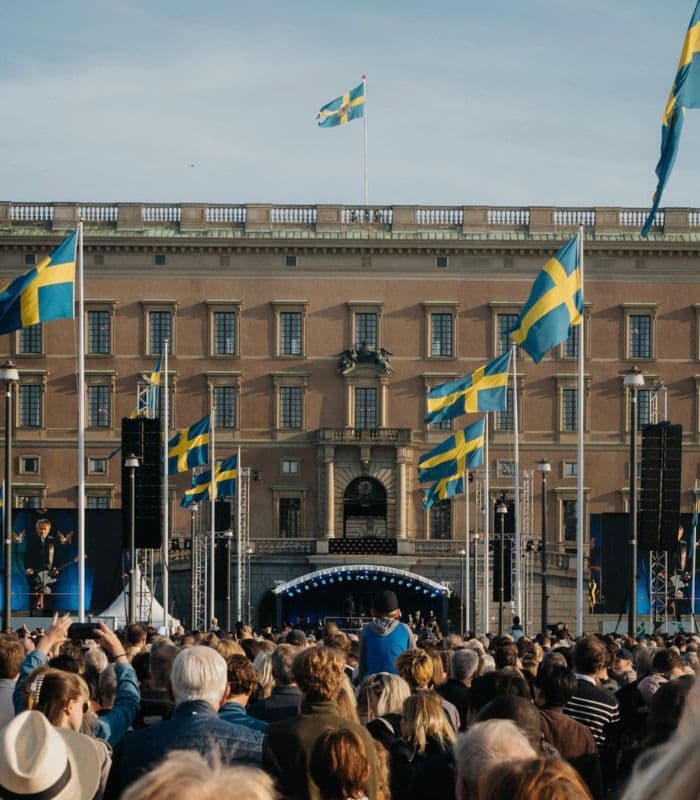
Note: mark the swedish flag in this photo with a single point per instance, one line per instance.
(43, 293)
(225, 483)
(340, 111)
(147, 402)
(685, 93)
(443, 490)
(189, 448)
(482, 390)
(463, 450)
(554, 305)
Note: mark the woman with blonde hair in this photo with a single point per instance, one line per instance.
(416, 667)
(379, 703)
(422, 760)
(346, 701)
(266, 682)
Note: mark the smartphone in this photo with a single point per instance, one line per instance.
(82, 630)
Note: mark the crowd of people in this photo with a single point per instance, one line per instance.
(397, 712)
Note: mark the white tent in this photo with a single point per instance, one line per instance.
(148, 609)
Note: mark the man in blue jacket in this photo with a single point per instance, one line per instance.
(385, 637)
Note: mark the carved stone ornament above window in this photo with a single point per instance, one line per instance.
(377, 357)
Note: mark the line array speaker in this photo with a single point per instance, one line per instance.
(142, 438)
(661, 486)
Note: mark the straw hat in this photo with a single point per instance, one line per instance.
(37, 759)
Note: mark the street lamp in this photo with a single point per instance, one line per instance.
(543, 467)
(9, 376)
(228, 536)
(463, 554)
(132, 464)
(501, 510)
(633, 381)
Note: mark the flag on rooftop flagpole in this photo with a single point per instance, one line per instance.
(189, 447)
(554, 305)
(685, 93)
(44, 293)
(350, 105)
(480, 391)
(459, 452)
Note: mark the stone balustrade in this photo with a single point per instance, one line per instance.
(470, 221)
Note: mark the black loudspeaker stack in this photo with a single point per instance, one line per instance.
(142, 438)
(222, 515)
(661, 486)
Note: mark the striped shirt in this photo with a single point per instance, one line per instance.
(595, 708)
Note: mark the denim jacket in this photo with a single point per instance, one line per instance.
(113, 724)
(235, 712)
(194, 725)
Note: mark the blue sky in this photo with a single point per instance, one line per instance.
(500, 102)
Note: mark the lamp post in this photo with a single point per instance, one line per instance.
(195, 565)
(463, 554)
(9, 376)
(501, 510)
(633, 381)
(228, 536)
(132, 464)
(543, 467)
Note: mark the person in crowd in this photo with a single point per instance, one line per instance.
(622, 667)
(11, 657)
(263, 666)
(346, 700)
(96, 661)
(199, 684)
(228, 647)
(285, 699)
(495, 683)
(64, 699)
(288, 743)
(464, 666)
(422, 760)
(516, 629)
(380, 702)
(483, 746)
(187, 775)
(416, 668)
(534, 779)
(106, 689)
(525, 715)
(113, 724)
(339, 765)
(668, 664)
(135, 638)
(39, 760)
(555, 686)
(242, 682)
(594, 707)
(156, 700)
(297, 638)
(385, 638)
(506, 655)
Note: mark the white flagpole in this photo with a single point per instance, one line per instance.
(81, 428)
(364, 147)
(580, 516)
(467, 575)
(694, 540)
(239, 540)
(212, 531)
(487, 529)
(163, 394)
(517, 548)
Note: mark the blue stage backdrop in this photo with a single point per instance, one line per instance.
(103, 566)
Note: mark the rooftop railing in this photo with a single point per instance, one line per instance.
(331, 220)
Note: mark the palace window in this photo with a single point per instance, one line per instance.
(30, 341)
(441, 520)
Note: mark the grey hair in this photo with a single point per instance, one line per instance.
(199, 673)
(465, 663)
(486, 744)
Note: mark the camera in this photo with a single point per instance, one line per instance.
(82, 630)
